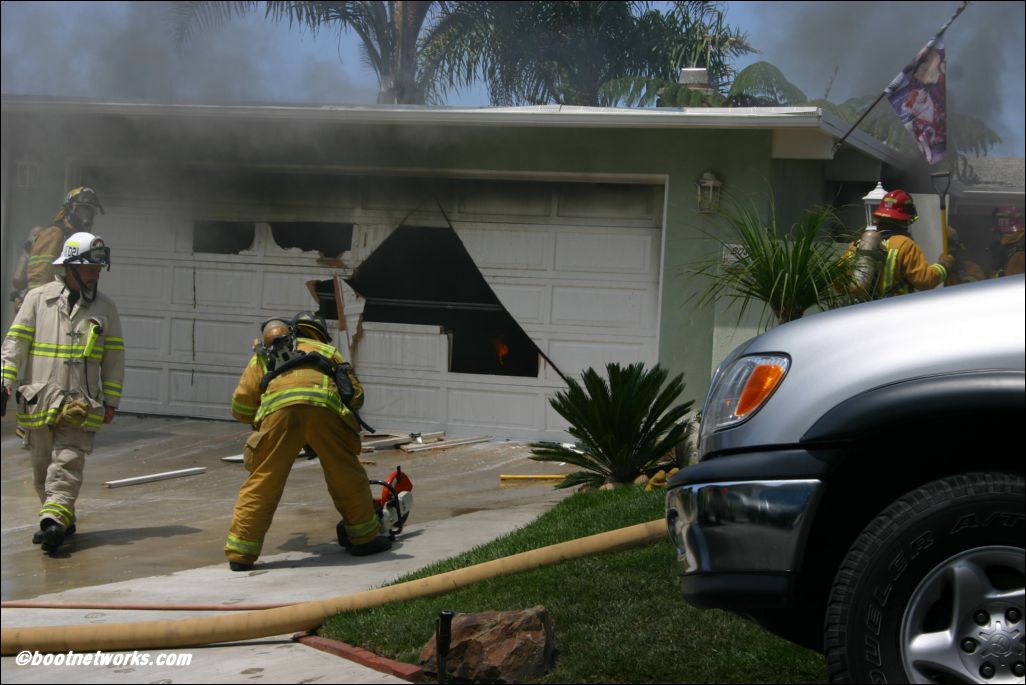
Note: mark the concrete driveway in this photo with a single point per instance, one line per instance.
(160, 543)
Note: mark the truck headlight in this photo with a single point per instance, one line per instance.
(742, 389)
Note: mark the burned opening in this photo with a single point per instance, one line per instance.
(422, 275)
(222, 237)
(329, 239)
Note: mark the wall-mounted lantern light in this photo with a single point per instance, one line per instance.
(709, 189)
(872, 201)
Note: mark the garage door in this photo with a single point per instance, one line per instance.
(575, 265)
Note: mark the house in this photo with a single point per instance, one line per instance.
(484, 254)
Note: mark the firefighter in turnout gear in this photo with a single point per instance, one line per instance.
(298, 390)
(65, 347)
(1007, 249)
(902, 265)
(36, 266)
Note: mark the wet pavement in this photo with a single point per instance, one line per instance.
(160, 543)
(172, 525)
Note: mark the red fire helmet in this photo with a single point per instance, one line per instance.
(897, 205)
(1008, 220)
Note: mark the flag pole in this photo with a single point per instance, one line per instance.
(919, 61)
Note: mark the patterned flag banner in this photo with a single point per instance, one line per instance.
(917, 95)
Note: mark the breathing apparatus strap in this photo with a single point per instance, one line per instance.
(337, 372)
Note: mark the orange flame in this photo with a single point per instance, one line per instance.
(501, 348)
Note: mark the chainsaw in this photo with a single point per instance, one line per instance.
(392, 507)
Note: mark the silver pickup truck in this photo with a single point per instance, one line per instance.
(860, 487)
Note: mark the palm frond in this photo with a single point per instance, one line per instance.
(790, 272)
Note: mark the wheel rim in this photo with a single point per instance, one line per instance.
(965, 620)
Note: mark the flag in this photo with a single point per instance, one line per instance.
(917, 94)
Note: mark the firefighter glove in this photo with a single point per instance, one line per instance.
(74, 413)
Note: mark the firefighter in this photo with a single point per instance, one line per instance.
(36, 265)
(1007, 250)
(903, 268)
(298, 390)
(964, 269)
(66, 348)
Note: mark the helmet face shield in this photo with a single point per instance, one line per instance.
(97, 255)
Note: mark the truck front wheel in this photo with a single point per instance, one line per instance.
(933, 589)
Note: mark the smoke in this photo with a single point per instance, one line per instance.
(126, 51)
(870, 42)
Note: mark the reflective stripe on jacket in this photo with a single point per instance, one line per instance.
(906, 268)
(46, 348)
(302, 385)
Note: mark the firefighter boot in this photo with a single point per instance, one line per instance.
(37, 537)
(53, 535)
(240, 566)
(378, 544)
(343, 536)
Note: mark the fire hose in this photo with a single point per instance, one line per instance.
(306, 616)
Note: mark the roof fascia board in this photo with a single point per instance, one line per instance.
(538, 116)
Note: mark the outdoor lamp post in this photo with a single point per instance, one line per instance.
(872, 201)
(709, 188)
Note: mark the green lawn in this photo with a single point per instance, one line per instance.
(618, 617)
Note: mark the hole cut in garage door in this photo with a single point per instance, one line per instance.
(422, 275)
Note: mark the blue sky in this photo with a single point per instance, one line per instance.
(123, 50)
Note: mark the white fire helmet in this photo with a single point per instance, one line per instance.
(84, 248)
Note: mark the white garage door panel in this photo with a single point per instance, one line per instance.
(212, 341)
(396, 403)
(633, 253)
(574, 356)
(217, 286)
(608, 202)
(202, 392)
(508, 248)
(621, 307)
(147, 389)
(495, 407)
(385, 347)
(145, 336)
(130, 232)
(286, 291)
(490, 199)
(525, 303)
(136, 285)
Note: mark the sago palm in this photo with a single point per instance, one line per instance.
(622, 426)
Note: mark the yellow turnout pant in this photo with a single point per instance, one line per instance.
(269, 455)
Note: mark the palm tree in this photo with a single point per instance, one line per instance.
(390, 34)
(623, 426)
(581, 53)
(763, 85)
(692, 34)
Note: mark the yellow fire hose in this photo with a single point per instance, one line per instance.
(190, 632)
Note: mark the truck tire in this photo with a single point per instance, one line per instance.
(932, 589)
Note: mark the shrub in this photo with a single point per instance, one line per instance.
(623, 426)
